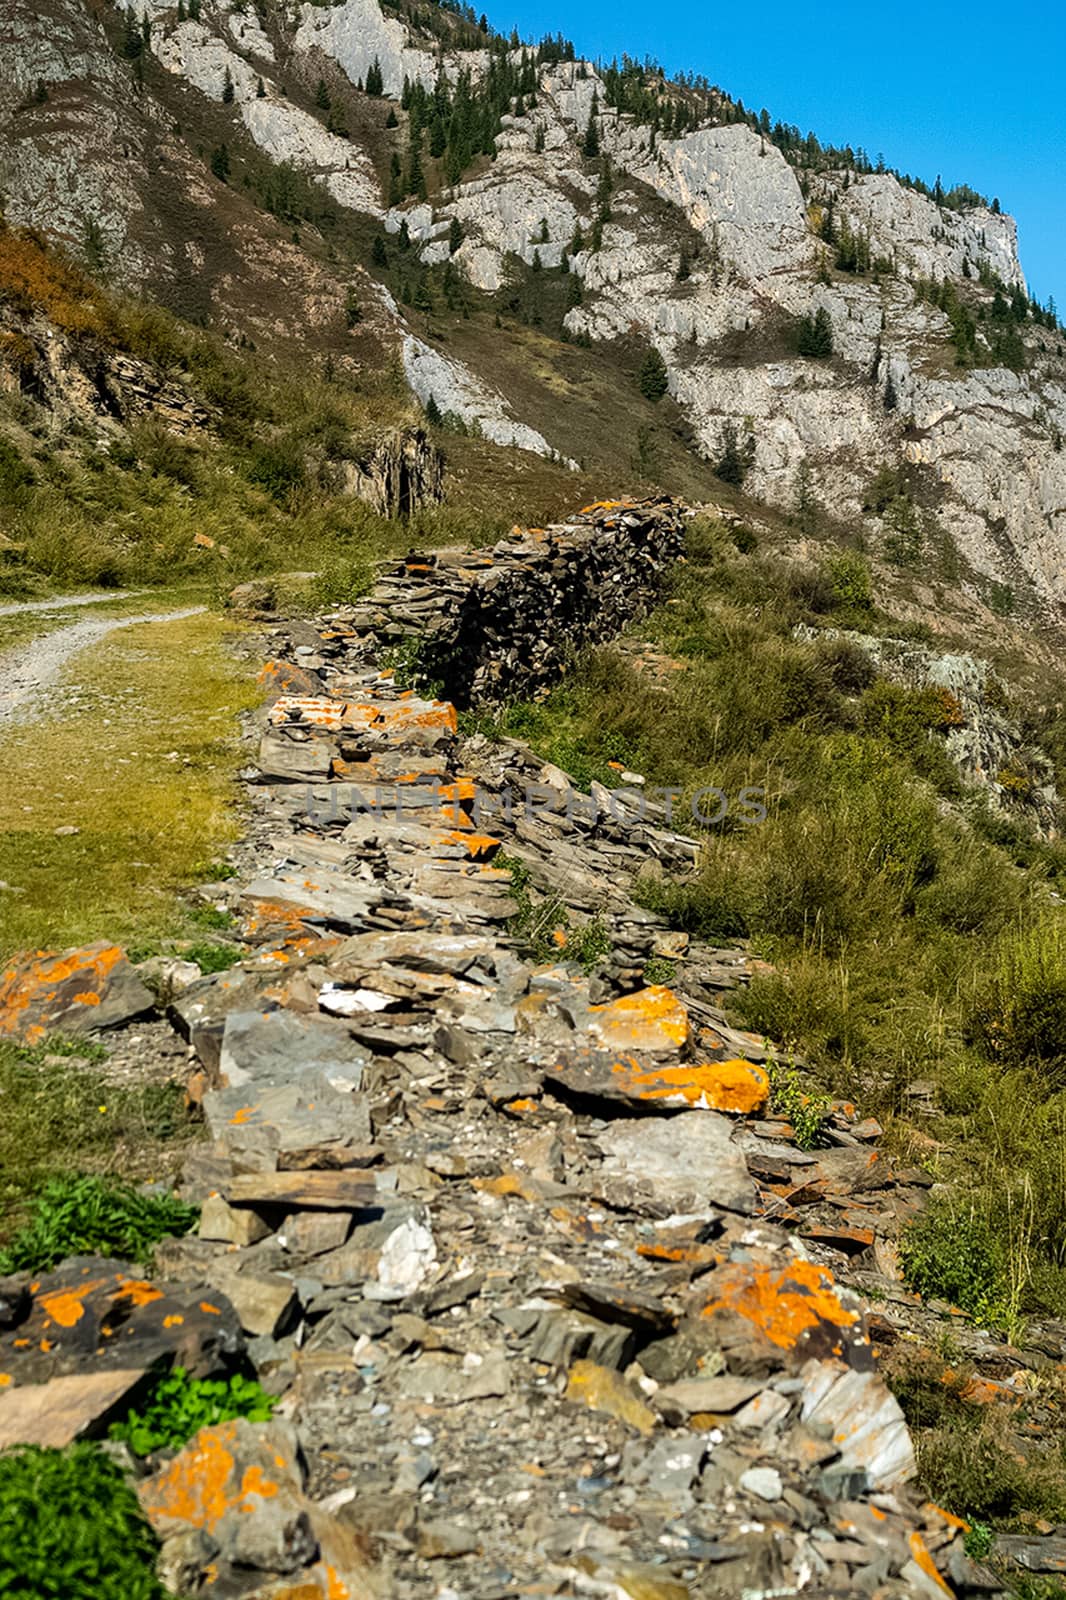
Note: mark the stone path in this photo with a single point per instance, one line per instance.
(31, 670)
(508, 1240)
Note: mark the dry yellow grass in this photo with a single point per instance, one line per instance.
(143, 768)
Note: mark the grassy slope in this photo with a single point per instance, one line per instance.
(913, 937)
(150, 822)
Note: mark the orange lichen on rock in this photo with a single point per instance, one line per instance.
(35, 980)
(309, 709)
(65, 1307)
(924, 1561)
(283, 677)
(653, 1019)
(201, 1485)
(476, 845)
(783, 1303)
(737, 1086)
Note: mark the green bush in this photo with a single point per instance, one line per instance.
(179, 1406)
(850, 578)
(91, 1216)
(71, 1528)
(1019, 1016)
(950, 1253)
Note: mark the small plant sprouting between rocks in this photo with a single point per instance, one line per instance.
(544, 928)
(71, 1528)
(660, 970)
(75, 1216)
(806, 1110)
(179, 1406)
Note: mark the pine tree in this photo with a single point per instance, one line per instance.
(392, 120)
(433, 412)
(736, 459)
(652, 379)
(375, 82)
(227, 88)
(132, 41)
(260, 89)
(536, 265)
(194, 10)
(396, 189)
(455, 235)
(815, 335)
(590, 145)
(684, 266)
(577, 240)
(220, 163)
(322, 100)
(415, 181)
(181, 10)
(378, 254)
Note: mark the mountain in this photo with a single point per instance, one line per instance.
(353, 185)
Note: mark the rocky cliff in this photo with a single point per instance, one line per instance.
(711, 245)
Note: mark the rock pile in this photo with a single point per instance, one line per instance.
(505, 622)
(507, 1240)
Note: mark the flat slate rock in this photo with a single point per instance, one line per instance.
(95, 1314)
(653, 1086)
(77, 991)
(77, 1406)
(267, 1048)
(686, 1163)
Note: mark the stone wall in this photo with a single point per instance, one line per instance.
(505, 622)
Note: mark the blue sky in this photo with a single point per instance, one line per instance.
(973, 93)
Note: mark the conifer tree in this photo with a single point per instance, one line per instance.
(375, 82)
(322, 100)
(652, 378)
(227, 88)
(455, 235)
(415, 181)
(260, 89)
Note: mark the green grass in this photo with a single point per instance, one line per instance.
(62, 1117)
(78, 1216)
(145, 770)
(71, 1528)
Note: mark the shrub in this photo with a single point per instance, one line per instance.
(950, 1253)
(850, 578)
(179, 1406)
(1019, 1016)
(71, 1528)
(806, 1109)
(88, 1216)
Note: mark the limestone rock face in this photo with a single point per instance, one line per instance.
(454, 388)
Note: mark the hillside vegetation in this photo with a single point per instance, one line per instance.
(915, 933)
